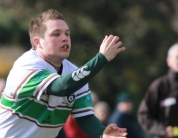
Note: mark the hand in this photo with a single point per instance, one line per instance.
(112, 131)
(111, 46)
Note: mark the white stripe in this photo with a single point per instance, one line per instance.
(82, 114)
(82, 109)
(83, 94)
(45, 86)
(16, 98)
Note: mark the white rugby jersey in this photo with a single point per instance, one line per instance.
(26, 111)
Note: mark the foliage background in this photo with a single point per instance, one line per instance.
(147, 29)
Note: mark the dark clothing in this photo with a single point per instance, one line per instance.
(61, 134)
(127, 121)
(159, 108)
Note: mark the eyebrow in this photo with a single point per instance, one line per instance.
(60, 30)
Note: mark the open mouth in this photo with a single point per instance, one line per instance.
(65, 46)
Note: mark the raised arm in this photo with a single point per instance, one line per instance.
(73, 81)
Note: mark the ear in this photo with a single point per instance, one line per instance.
(36, 42)
(168, 61)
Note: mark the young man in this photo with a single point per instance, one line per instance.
(43, 88)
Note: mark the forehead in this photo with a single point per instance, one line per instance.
(57, 24)
(174, 51)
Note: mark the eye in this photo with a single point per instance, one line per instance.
(67, 34)
(55, 34)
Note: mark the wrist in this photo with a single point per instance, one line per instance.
(103, 56)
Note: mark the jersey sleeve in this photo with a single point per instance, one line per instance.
(83, 103)
(33, 84)
(73, 81)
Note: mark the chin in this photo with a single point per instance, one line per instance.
(65, 57)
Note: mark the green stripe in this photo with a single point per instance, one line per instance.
(38, 111)
(29, 88)
(4, 101)
(83, 102)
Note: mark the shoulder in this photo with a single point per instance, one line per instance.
(162, 80)
(68, 66)
(30, 60)
(158, 87)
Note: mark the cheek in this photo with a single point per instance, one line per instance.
(174, 62)
(52, 41)
(171, 63)
(50, 44)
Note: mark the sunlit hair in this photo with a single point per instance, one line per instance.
(171, 49)
(37, 27)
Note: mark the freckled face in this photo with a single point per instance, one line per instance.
(56, 44)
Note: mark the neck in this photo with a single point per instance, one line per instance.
(56, 62)
(56, 66)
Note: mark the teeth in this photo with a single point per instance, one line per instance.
(65, 46)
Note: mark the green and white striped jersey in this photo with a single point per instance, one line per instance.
(26, 111)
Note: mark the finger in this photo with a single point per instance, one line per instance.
(122, 134)
(115, 39)
(105, 38)
(119, 44)
(122, 131)
(110, 38)
(114, 126)
(120, 49)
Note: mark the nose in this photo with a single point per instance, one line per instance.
(64, 38)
